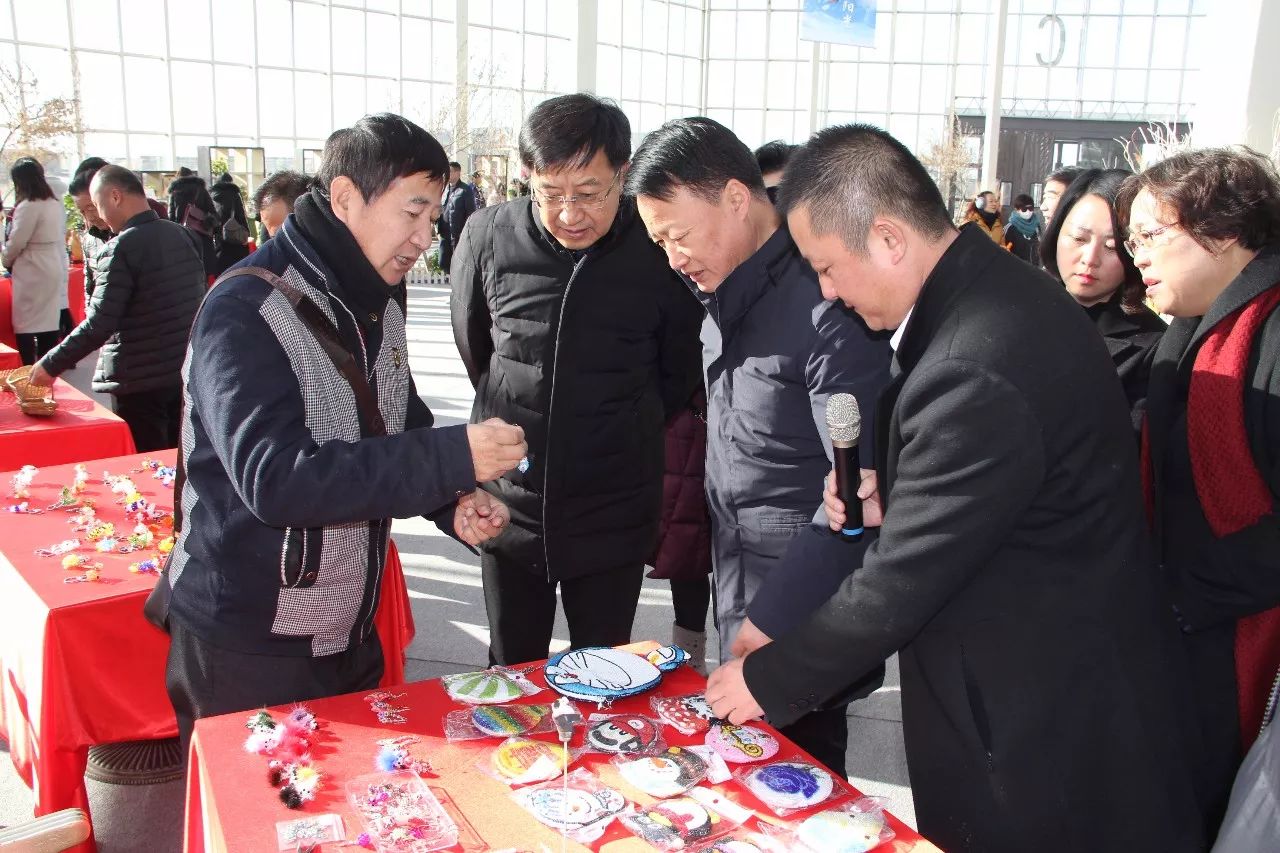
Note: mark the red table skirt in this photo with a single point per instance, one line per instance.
(75, 302)
(9, 357)
(80, 429)
(80, 664)
(232, 809)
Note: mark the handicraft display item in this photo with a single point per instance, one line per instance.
(665, 774)
(488, 687)
(603, 674)
(788, 786)
(622, 734)
(741, 744)
(581, 807)
(400, 814)
(688, 714)
(497, 721)
(287, 743)
(674, 824)
(523, 761)
(856, 827)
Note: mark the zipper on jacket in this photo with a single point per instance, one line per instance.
(1272, 699)
(551, 401)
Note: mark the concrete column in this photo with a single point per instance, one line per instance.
(1237, 90)
(989, 180)
(587, 29)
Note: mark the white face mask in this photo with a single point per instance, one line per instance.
(980, 203)
(1026, 214)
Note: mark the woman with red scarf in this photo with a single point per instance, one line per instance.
(1204, 231)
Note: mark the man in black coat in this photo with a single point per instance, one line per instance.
(774, 350)
(150, 281)
(456, 206)
(571, 326)
(233, 242)
(1041, 700)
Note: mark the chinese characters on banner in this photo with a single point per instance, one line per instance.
(850, 22)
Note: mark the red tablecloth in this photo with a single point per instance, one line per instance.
(80, 429)
(80, 664)
(9, 357)
(75, 301)
(231, 808)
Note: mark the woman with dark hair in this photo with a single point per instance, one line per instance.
(985, 211)
(1022, 235)
(1204, 230)
(35, 251)
(1082, 250)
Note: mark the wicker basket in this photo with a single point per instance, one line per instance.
(34, 400)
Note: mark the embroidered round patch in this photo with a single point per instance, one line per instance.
(668, 824)
(839, 831)
(508, 720)
(667, 774)
(688, 714)
(790, 785)
(741, 744)
(571, 809)
(528, 760)
(622, 734)
(481, 688)
(600, 674)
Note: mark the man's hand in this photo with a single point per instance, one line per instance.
(868, 492)
(496, 448)
(40, 377)
(748, 640)
(479, 517)
(729, 697)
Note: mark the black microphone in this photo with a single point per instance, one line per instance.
(844, 422)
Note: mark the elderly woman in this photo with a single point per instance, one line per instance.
(1204, 231)
(36, 253)
(1081, 248)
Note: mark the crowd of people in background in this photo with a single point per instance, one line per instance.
(1071, 427)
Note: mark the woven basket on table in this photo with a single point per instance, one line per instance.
(33, 400)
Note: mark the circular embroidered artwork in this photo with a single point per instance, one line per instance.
(688, 714)
(481, 688)
(600, 674)
(508, 720)
(527, 760)
(667, 774)
(790, 785)
(669, 824)
(741, 744)
(572, 809)
(839, 831)
(623, 734)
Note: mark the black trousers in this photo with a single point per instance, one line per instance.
(522, 609)
(690, 600)
(205, 681)
(32, 346)
(824, 735)
(152, 417)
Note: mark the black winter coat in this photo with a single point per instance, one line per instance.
(456, 207)
(1131, 339)
(191, 190)
(1042, 704)
(229, 205)
(1214, 581)
(149, 283)
(590, 352)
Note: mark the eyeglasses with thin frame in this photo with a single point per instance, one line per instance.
(1145, 239)
(584, 201)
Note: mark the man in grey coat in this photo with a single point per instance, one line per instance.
(774, 351)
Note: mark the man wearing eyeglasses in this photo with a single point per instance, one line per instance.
(572, 326)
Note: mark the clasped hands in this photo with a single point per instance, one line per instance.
(496, 448)
(727, 690)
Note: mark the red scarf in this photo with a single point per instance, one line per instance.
(1232, 493)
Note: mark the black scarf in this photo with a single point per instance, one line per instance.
(988, 216)
(359, 284)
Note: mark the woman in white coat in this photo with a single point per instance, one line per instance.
(35, 252)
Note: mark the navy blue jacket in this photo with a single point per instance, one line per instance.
(287, 508)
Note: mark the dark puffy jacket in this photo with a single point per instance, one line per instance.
(684, 534)
(149, 283)
(229, 205)
(191, 190)
(590, 352)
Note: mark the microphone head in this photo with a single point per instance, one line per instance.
(843, 418)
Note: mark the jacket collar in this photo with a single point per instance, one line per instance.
(748, 282)
(961, 264)
(1111, 320)
(625, 217)
(1261, 273)
(137, 219)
